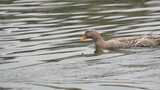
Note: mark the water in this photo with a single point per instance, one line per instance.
(40, 48)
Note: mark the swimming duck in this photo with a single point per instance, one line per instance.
(121, 42)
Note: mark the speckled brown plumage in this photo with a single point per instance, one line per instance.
(122, 42)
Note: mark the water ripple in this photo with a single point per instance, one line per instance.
(40, 48)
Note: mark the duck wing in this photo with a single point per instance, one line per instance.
(122, 42)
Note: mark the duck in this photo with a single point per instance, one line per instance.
(119, 42)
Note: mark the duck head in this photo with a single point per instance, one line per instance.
(96, 37)
(88, 35)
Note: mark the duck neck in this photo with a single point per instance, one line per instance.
(99, 45)
(98, 50)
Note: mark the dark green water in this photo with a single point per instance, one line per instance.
(40, 48)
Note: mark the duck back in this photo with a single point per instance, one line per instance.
(129, 42)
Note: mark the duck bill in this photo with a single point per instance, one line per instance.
(83, 38)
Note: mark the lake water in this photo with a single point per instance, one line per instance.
(40, 48)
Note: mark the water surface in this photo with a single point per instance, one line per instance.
(40, 48)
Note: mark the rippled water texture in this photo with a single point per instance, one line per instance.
(40, 48)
